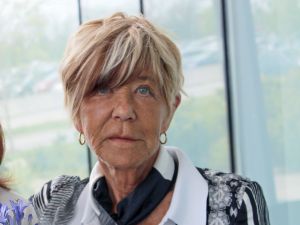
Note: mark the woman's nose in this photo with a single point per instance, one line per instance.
(124, 108)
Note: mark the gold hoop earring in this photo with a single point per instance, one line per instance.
(165, 138)
(81, 139)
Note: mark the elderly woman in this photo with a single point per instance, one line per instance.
(13, 208)
(122, 80)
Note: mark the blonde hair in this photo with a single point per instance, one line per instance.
(110, 51)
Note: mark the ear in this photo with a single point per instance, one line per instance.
(177, 101)
(77, 124)
(171, 112)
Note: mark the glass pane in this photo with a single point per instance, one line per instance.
(200, 124)
(278, 47)
(265, 55)
(98, 9)
(41, 142)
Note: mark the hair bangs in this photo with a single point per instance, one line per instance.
(128, 56)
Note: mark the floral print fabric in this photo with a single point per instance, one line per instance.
(226, 204)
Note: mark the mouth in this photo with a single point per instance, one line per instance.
(123, 139)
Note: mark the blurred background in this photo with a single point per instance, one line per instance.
(241, 114)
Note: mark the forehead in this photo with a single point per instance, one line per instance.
(143, 77)
(121, 76)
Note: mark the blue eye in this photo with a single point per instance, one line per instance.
(104, 90)
(144, 90)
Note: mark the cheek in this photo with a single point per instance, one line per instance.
(163, 118)
(154, 122)
(92, 118)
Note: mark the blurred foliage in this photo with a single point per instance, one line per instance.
(188, 20)
(30, 35)
(39, 127)
(31, 168)
(199, 128)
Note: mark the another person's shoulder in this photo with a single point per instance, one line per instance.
(12, 204)
(61, 187)
(60, 193)
(7, 195)
(232, 197)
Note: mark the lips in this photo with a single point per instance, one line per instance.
(122, 142)
(123, 138)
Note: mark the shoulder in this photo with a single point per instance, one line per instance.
(214, 178)
(63, 191)
(231, 198)
(224, 189)
(6, 195)
(12, 201)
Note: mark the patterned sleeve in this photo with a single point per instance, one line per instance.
(41, 199)
(254, 209)
(55, 202)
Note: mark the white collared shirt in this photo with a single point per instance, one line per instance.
(188, 204)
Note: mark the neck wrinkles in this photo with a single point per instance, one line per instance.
(121, 182)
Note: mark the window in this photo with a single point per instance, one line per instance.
(265, 51)
(264, 68)
(41, 142)
(200, 124)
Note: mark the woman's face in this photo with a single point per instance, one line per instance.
(123, 125)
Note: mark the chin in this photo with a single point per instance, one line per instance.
(120, 162)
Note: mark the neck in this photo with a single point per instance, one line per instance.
(122, 181)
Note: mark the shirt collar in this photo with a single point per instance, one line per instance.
(162, 163)
(91, 211)
(189, 201)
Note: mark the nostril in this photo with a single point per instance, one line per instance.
(124, 113)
